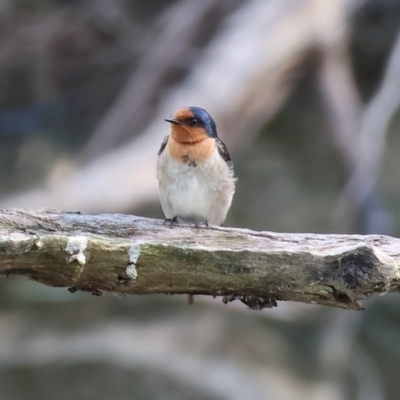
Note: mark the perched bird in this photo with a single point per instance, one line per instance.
(194, 170)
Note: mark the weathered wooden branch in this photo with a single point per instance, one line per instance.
(136, 255)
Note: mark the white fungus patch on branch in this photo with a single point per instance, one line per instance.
(76, 247)
(134, 253)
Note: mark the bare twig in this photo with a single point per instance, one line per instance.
(341, 100)
(371, 146)
(128, 254)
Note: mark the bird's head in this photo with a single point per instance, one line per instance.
(191, 124)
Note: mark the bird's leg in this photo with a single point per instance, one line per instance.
(171, 221)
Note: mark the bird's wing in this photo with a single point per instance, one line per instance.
(223, 152)
(163, 144)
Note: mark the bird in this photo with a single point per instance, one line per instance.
(194, 170)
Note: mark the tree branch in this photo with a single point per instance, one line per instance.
(136, 255)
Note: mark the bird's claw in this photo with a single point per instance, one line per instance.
(200, 224)
(171, 221)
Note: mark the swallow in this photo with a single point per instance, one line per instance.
(194, 170)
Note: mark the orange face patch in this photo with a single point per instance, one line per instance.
(183, 133)
(192, 154)
(182, 113)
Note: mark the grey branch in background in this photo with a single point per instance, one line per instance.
(243, 78)
(172, 49)
(371, 146)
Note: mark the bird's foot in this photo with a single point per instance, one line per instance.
(200, 224)
(171, 221)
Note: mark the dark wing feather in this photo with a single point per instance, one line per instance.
(163, 144)
(223, 152)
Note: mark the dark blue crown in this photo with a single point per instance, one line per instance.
(204, 117)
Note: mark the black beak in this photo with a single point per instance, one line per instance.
(172, 121)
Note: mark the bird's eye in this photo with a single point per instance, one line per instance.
(193, 122)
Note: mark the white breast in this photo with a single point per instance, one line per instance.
(195, 193)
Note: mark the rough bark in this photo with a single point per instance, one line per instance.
(136, 255)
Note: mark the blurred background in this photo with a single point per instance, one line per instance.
(305, 95)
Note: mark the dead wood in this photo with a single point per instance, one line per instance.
(136, 255)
